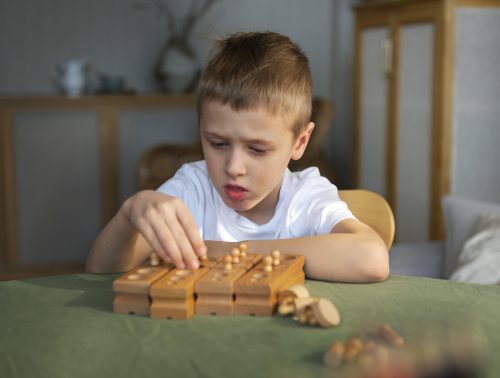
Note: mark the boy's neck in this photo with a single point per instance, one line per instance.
(264, 211)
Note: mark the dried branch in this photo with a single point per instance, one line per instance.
(193, 16)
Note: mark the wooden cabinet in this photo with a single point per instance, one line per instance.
(66, 165)
(427, 83)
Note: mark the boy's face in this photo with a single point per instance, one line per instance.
(246, 153)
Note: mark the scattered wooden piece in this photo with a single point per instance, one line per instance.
(391, 336)
(326, 313)
(334, 355)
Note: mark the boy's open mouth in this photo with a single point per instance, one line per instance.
(235, 192)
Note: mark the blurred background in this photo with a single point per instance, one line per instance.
(87, 87)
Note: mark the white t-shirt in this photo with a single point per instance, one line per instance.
(308, 205)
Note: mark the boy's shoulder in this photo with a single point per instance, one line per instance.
(195, 167)
(307, 177)
(310, 172)
(309, 184)
(189, 176)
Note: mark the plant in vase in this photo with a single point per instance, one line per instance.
(177, 68)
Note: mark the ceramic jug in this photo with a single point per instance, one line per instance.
(71, 76)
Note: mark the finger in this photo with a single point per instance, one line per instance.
(150, 237)
(183, 243)
(191, 229)
(185, 247)
(169, 244)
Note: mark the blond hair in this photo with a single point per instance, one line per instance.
(249, 70)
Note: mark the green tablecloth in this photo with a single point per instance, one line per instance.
(63, 326)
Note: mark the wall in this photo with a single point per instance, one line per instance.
(123, 38)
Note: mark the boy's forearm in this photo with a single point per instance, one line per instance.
(341, 257)
(114, 249)
(335, 257)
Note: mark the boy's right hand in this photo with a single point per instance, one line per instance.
(167, 225)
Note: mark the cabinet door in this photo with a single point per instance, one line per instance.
(476, 125)
(414, 131)
(57, 181)
(395, 69)
(373, 102)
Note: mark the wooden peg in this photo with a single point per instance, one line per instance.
(228, 262)
(235, 253)
(154, 260)
(275, 254)
(268, 264)
(243, 250)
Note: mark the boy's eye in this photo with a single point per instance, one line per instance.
(218, 144)
(257, 150)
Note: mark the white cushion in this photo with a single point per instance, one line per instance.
(479, 261)
(461, 216)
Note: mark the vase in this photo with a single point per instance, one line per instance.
(178, 70)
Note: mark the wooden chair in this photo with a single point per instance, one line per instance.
(314, 155)
(159, 163)
(373, 210)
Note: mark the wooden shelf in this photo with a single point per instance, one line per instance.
(97, 101)
(107, 109)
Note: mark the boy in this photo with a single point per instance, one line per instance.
(254, 105)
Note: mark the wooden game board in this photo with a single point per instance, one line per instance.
(245, 284)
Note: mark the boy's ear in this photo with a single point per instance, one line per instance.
(302, 140)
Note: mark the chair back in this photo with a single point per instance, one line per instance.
(371, 209)
(158, 164)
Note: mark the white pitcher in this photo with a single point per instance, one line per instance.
(71, 76)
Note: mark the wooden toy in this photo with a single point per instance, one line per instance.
(173, 295)
(133, 289)
(215, 290)
(256, 292)
(239, 283)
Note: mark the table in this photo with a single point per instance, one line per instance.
(63, 326)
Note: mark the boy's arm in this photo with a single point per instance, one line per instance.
(352, 252)
(118, 248)
(147, 221)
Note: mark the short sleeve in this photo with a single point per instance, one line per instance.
(315, 206)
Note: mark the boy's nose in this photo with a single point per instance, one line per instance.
(235, 165)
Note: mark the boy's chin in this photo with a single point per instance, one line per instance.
(238, 207)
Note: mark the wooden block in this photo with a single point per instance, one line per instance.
(173, 295)
(214, 291)
(132, 289)
(256, 292)
(210, 262)
(248, 261)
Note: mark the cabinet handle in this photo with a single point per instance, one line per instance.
(387, 51)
